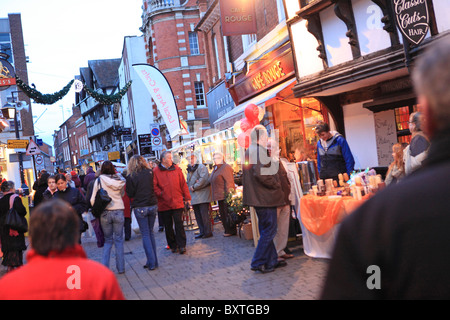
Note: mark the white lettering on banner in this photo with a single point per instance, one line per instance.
(161, 93)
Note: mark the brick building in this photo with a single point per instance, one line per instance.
(72, 147)
(177, 50)
(12, 43)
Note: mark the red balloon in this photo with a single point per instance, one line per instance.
(244, 139)
(251, 112)
(246, 125)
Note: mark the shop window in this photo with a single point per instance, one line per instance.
(402, 122)
(295, 120)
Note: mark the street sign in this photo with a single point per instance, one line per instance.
(156, 136)
(156, 141)
(32, 149)
(155, 132)
(17, 144)
(39, 159)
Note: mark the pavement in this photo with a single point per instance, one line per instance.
(216, 268)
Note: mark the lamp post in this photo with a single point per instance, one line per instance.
(9, 111)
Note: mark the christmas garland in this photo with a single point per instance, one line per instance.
(38, 97)
(42, 98)
(108, 99)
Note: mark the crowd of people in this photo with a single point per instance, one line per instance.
(384, 231)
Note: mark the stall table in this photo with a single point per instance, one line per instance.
(320, 218)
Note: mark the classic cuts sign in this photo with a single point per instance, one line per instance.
(237, 17)
(412, 19)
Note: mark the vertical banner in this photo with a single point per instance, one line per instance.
(237, 17)
(161, 92)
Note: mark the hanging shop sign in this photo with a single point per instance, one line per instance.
(7, 74)
(267, 72)
(237, 17)
(219, 102)
(161, 92)
(412, 18)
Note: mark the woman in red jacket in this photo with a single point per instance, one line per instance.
(172, 193)
(57, 267)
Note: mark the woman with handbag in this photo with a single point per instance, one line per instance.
(112, 218)
(139, 188)
(13, 242)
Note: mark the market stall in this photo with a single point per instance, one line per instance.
(320, 218)
(328, 203)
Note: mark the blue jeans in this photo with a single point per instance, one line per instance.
(146, 217)
(265, 253)
(112, 225)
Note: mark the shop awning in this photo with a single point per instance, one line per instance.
(238, 112)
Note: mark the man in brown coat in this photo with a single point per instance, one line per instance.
(262, 190)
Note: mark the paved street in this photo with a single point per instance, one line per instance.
(212, 269)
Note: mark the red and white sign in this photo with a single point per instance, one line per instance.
(238, 17)
(32, 149)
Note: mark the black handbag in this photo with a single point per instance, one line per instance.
(102, 199)
(14, 220)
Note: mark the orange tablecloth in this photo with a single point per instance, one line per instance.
(320, 214)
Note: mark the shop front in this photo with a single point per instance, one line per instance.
(269, 84)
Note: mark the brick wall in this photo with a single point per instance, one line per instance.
(20, 66)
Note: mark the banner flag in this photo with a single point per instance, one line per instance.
(161, 92)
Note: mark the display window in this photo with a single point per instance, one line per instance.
(295, 120)
(402, 121)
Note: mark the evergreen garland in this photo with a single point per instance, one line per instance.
(108, 99)
(38, 97)
(42, 98)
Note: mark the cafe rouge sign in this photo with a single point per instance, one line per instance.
(237, 17)
(272, 69)
(412, 19)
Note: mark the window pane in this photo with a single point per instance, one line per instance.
(199, 93)
(193, 43)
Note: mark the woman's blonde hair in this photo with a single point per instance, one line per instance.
(136, 164)
(397, 149)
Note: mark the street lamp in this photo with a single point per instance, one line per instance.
(9, 112)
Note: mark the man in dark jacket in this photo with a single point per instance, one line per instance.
(333, 153)
(395, 246)
(262, 190)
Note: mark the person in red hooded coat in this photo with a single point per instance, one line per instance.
(173, 193)
(57, 267)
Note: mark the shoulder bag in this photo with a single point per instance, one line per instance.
(102, 199)
(14, 220)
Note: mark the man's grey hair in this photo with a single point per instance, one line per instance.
(7, 186)
(431, 78)
(163, 155)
